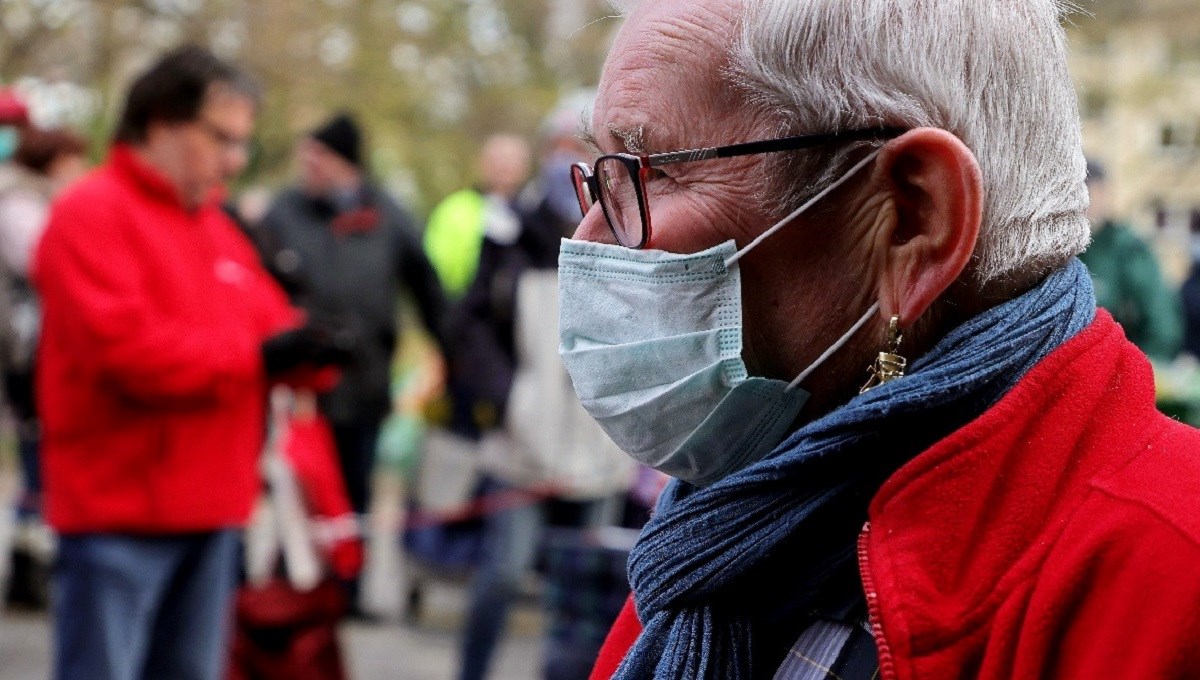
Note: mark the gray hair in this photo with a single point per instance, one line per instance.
(992, 72)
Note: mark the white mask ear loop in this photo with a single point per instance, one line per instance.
(799, 211)
(836, 346)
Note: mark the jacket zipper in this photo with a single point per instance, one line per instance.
(887, 667)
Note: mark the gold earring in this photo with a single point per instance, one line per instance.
(889, 365)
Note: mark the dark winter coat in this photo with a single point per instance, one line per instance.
(483, 327)
(350, 265)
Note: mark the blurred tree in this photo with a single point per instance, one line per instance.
(429, 78)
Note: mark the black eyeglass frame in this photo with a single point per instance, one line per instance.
(223, 138)
(638, 166)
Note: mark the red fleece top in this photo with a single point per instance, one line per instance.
(1056, 536)
(150, 378)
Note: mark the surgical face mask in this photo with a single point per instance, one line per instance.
(653, 344)
(9, 140)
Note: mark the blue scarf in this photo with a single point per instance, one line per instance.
(722, 576)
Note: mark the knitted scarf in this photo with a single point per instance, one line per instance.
(723, 575)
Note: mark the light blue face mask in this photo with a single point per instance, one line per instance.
(653, 344)
(10, 138)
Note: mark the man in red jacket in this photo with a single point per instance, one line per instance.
(161, 334)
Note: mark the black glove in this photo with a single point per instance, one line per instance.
(310, 345)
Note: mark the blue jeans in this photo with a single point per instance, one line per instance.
(510, 542)
(131, 607)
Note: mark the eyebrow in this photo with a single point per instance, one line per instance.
(633, 140)
(588, 135)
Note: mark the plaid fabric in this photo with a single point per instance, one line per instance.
(832, 649)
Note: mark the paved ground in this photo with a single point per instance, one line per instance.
(387, 652)
(427, 650)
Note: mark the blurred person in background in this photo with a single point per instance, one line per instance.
(5, 328)
(46, 161)
(349, 251)
(454, 238)
(1190, 293)
(161, 333)
(539, 449)
(1127, 277)
(457, 226)
(14, 115)
(548, 206)
(14, 119)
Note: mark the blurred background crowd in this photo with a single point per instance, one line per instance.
(405, 182)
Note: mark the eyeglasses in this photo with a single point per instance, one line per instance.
(618, 181)
(225, 139)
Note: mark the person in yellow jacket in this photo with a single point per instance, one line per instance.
(457, 225)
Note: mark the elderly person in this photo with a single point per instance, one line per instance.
(1002, 500)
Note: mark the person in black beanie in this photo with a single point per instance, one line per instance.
(345, 250)
(342, 136)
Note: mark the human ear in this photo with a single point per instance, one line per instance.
(935, 189)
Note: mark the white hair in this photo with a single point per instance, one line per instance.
(992, 72)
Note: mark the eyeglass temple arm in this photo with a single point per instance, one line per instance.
(770, 146)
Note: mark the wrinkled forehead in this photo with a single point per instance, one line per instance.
(664, 73)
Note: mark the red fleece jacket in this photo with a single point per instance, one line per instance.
(150, 377)
(1056, 536)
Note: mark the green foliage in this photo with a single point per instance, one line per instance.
(429, 78)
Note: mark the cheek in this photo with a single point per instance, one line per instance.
(307, 168)
(682, 230)
(594, 228)
(706, 205)
(516, 173)
(201, 161)
(689, 220)
(796, 296)
(236, 161)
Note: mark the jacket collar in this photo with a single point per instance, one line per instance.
(125, 160)
(152, 183)
(953, 530)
